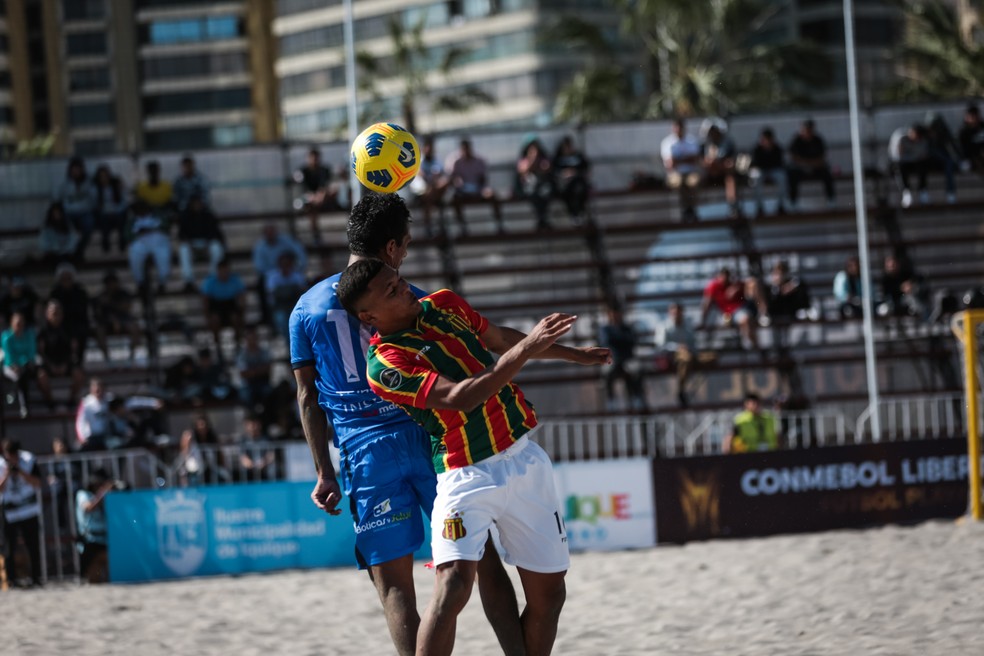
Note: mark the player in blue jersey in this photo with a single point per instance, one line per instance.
(385, 458)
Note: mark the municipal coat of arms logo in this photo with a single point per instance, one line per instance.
(182, 535)
(454, 526)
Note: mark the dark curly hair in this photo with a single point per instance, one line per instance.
(354, 283)
(375, 220)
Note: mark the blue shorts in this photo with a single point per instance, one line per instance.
(389, 481)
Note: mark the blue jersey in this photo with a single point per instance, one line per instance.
(324, 335)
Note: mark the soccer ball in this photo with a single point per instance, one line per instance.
(385, 157)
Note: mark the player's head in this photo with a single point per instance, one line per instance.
(379, 227)
(374, 292)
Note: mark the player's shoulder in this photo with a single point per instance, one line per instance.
(321, 295)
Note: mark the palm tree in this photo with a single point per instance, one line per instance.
(712, 57)
(940, 54)
(412, 62)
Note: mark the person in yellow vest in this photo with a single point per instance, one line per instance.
(754, 429)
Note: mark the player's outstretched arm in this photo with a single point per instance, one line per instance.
(500, 339)
(467, 394)
(326, 494)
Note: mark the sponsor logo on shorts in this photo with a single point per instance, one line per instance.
(454, 527)
(382, 522)
(381, 508)
(391, 378)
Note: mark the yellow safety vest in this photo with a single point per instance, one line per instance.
(754, 432)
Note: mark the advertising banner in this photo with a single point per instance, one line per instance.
(809, 490)
(229, 529)
(608, 504)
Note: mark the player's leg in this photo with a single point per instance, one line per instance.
(499, 601)
(452, 588)
(394, 585)
(545, 596)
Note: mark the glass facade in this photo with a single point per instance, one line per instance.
(83, 9)
(197, 65)
(288, 7)
(199, 138)
(86, 44)
(89, 79)
(187, 102)
(101, 113)
(190, 30)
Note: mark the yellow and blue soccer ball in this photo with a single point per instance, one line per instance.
(385, 157)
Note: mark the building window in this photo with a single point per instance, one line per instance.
(92, 114)
(199, 138)
(319, 38)
(86, 43)
(198, 65)
(6, 116)
(88, 79)
(198, 101)
(213, 28)
(288, 7)
(83, 9)
(312, 81)
(94, 147)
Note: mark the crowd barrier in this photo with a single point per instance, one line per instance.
(627, 482)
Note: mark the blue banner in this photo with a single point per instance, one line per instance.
(230, 529)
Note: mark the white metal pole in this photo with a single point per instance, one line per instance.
(861, 214)
(353, 103)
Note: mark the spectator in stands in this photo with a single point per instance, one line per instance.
(19, 346)
(215, 379)
(572, 170)
(808, 161)
(224, 299)
(285, 284)
(266, 252)
(754, 429)
(20, 297)
(90, 520)
(944, 152)
(317, 193)
(972, 140)
(112, 311)
(469, 181)
(189, 465)
(430, 184)
(188, 185)
(728, 296)
(253, 364)
(676, 341)
(198, 232)
(534, 180)
(20, 489)
(788, 296)
(182, 381)
(74, 299)
(149, 241)
(58, 240)
(111, 207)
(904, 292)
(619, 336)
(847, 289)
(767, 165)
(156, 194)
(194, 464)
(718, 155)
(78, 200)
(63, 478)
(256, 458)
(908, 152)
(59, 354)
(681, 155)
(92, 418)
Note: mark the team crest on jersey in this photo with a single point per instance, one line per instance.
(454, 526)
(391, 378)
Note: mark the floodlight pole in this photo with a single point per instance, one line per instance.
(353, 102)
(861, 214)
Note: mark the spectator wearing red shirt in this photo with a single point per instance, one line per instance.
(728, 295)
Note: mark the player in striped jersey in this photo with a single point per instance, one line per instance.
(433, 357)
(385, 457)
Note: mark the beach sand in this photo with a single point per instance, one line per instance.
(893, 591)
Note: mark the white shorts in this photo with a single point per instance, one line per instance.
(514, 491)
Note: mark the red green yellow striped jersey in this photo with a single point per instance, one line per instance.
(403, 367)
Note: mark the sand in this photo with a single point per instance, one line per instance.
(894, 591)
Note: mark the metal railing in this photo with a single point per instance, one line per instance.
(909, 417)
(604, 438)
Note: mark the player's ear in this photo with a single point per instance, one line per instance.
(365, 316)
